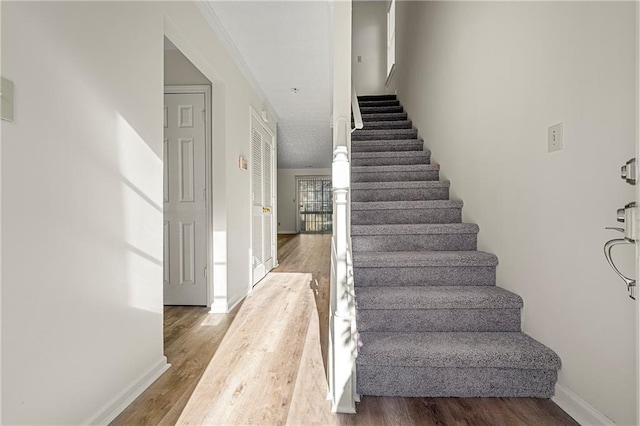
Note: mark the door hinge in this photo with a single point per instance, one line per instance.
(205, 272)
(204, 115)
(204, 194)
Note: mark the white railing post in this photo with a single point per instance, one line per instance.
(342, 316)
(342, 332)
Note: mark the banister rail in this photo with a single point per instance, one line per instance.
(355, 107)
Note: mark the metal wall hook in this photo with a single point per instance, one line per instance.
(631, 283)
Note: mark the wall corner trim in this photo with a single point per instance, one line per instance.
(219, 307)
(122, 400)
(224, 307)
(218, 27)
(578, 408)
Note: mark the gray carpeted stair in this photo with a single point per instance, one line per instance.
(389, 102)
(381, 109)
(399, 124)
(400, 191)
(403, 172)
(384, 134)
(414, 237)
(391, 212)
(430, 318)
(383, 116)
(389, 158)
(384, 145)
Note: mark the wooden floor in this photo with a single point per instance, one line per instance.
(264, 363)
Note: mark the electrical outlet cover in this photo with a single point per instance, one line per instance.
(555, 138)
(6, 99)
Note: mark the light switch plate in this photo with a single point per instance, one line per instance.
(6, 99)
(555, 138)
(242, 163)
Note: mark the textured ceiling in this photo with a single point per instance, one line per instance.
(287, 44)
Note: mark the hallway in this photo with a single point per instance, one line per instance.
(263, 363)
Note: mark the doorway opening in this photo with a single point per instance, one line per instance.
(315, 204)
(187, 176)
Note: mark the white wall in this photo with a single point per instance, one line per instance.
(369, 29)
(288, 194)
(482, 82)
(1, 227)
(178, 70)
(82, 198)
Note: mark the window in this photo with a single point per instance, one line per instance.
(315, 204)
(391, 37)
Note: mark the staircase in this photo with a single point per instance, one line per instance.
(431, 321)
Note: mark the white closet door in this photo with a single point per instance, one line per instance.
(259, 270)
(262, 172)
(267, 194)
(185, 244)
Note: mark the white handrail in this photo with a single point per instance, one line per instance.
(355, 106)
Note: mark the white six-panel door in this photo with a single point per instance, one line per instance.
(262, 172)
(185, 244)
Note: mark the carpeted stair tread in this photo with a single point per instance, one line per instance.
(397, 212)
(385, 102)
(367, 98)
(395, 205)
(395, 168)
(401, 185)
(389, 154)
(413, 145)
(414, 154)
(415, 229)
(455, 349)
(384, 134)
(402, 259)
(380, 110)
(397, 124)
(384, 116)
(436, 297)
(395, 173)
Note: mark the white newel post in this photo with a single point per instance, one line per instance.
(342, 331)
(343, 313)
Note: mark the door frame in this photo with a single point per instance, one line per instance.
(208, 167)
(297, 205)
(253, 114)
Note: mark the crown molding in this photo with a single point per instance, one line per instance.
(218, 27)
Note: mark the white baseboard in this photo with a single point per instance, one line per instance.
(581, 411)
(219, 307)
(287, 232)
(224, 307)
(117, 405)
(237, 302)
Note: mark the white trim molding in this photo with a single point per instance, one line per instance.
(122, 400)
(218, 27)
(581, 411)
(223, 307)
